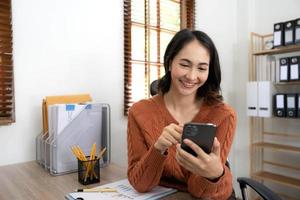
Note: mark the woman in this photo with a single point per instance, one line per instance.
(189, 92)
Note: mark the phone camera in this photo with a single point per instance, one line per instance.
(191, 130)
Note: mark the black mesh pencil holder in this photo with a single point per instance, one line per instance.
(88, 171)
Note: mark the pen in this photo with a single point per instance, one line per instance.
(97, 190)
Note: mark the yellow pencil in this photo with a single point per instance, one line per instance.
(90, 166)
(101, 153)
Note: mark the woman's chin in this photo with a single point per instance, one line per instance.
(187, 91)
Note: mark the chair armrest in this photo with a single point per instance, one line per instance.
(262, 190)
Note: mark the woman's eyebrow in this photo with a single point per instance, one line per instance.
(190, 62)
(203, 63)
(185, 60)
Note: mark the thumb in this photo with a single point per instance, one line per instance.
(216, 147)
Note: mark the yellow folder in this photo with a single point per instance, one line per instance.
(50, 100)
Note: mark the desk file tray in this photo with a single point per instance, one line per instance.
(73, 124)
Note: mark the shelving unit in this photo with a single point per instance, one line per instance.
(259, 135)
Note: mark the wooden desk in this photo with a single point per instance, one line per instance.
(30, 181)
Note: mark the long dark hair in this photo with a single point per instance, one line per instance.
(210, 91)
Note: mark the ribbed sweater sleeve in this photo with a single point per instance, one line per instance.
(145, 164)
(201, 187)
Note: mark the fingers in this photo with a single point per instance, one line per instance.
(170, 135)
(165, 142)
(175, 131)
(184, 158)
(216, 147)
(171, 138)
(196, 149)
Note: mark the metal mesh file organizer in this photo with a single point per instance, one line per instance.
(73, 124)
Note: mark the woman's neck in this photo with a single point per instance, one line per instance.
(179, 102)
(183, 108)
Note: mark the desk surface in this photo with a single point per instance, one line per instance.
(30, 181)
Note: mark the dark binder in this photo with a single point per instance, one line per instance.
(291, 105)
(298, 103)
(280, 105)
(294, 68)
(283, 69)
(278, 34)
(297, 31)
(289, 32)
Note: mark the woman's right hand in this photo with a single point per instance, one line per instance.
(171, 135)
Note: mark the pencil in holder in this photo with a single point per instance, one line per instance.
(88, 171)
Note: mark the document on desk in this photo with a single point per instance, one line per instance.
(124, 192)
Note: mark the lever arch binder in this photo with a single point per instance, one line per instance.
(278, 34)
(284, 69)
(298, 103)
(289, 33)
(265, 94)
(280, 105)
(297, 31)
(252, 98)
(291, 105)
(294, 71)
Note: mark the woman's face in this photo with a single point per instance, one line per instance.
(189, 68)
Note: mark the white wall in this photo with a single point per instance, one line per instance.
(277, 11)
(76, 46)
(64, 47)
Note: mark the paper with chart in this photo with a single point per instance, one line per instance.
(124, 192)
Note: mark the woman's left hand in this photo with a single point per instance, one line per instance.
(206, 165)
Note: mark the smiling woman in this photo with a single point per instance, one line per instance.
(188, 92)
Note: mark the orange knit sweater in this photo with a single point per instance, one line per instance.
(147, 167)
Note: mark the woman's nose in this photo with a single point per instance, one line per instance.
(191, 74)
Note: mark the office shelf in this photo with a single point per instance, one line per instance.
(292, 182)
(288, 83)
(289, 135)
(262, 66)
(277, 146)
(287, 197)
(287, 49)
(282, 165)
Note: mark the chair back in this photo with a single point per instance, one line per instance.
(154, 88)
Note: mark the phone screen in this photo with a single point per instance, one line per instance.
(202, 134)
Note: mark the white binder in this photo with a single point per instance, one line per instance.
(265, 98)
(252, 98)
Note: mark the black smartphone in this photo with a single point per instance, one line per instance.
(202, 134)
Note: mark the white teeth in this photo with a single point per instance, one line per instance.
(185, 84)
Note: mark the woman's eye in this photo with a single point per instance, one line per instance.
(202, 69)
(184, 65)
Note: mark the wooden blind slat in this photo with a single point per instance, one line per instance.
(6, 97)
(4, 22)
(4, 10)
(6, 27)
(4, 67)
(6, 62)
(5, 103)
